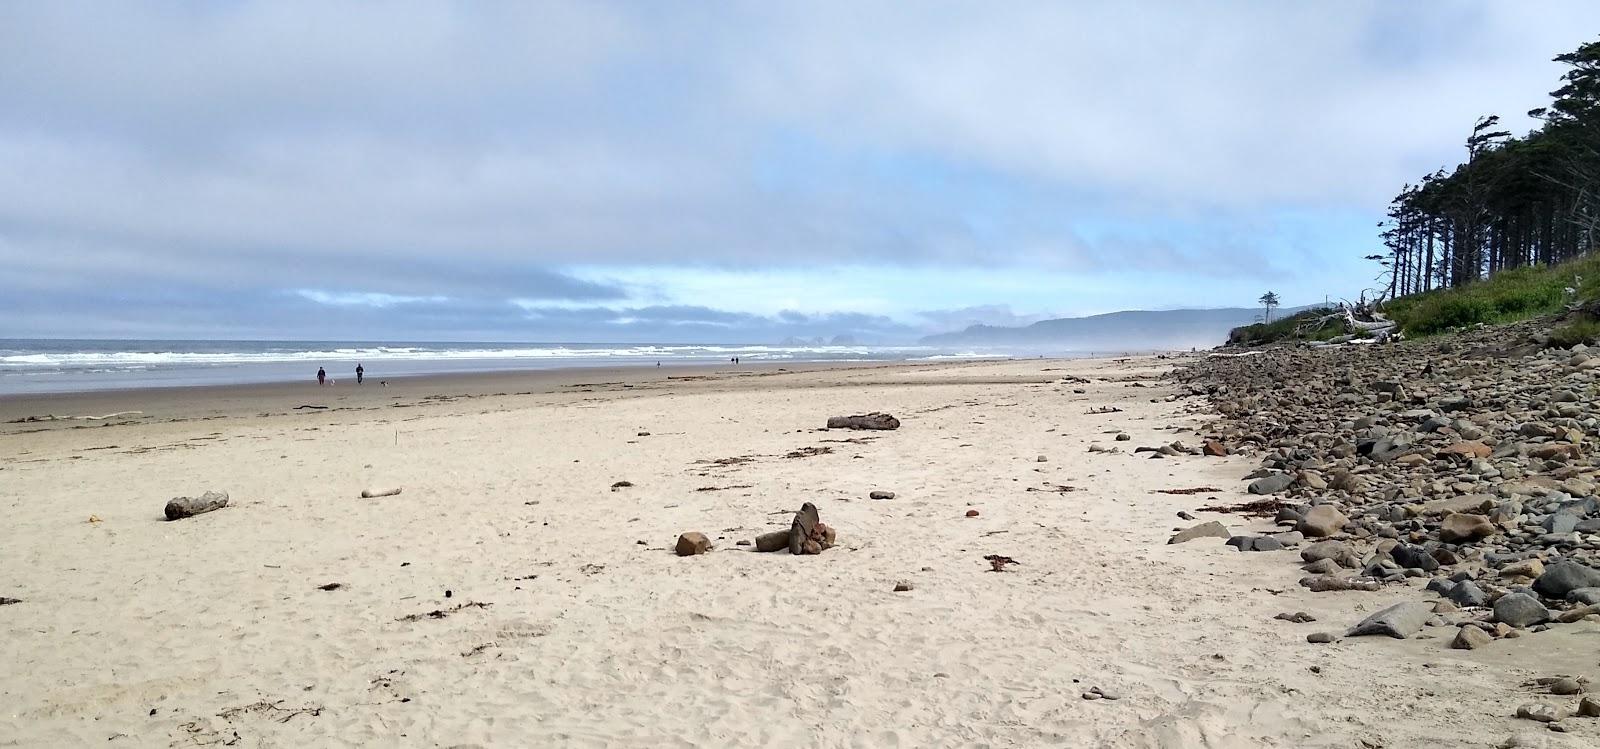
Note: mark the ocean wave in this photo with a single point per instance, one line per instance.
(78, 360)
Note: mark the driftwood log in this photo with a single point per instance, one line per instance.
(1325, 583)
(873, 420)
(371, 493)
(774, 541)
(183, 507)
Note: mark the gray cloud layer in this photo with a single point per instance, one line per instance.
(472, 150)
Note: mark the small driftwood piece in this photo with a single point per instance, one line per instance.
(183, 507)
(372, 493)
(872, 420)
(1325, 583)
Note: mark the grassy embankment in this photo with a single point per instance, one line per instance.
(1507, 296)
(1283, 329)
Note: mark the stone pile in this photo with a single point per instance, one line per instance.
(1468, 461)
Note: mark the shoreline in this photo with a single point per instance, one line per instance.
(241, 398)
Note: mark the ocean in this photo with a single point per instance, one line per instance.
(56, 366)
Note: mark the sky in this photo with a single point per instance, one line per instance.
(720, 171)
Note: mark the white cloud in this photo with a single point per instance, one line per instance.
(365, 298)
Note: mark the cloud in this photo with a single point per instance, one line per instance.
(483, 151)
(364, 298)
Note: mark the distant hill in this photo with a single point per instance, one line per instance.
(1115, 331)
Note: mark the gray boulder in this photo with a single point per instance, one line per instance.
(1322, 520)
(1563, 577)
(1586, 596)
(1273, 484)
(1400, 621)
(1416, 557)
(1467, 593)
(1520, 610)
(1212, 529)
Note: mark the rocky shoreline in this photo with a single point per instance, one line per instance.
(1459, 469)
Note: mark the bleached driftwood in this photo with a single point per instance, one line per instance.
(183, 507)
(1325, 583)
(53, 417)
(873, 420)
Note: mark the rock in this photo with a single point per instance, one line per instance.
(1561, 578)
(1273, 484)
(1322, 567)
(1529, 568)
(1322, 520)
(880, 494)
(1398, 621)
(1042, 459)
(974, 513)
(1561, 523)
(1472, 449)
(1469, 503)
(1584, 595)
(1463, 527)
(1298, 617)
(1413, 557)
(1578, 614)
(1213, 529)
(1290, 538)
(1589, 707)
(903, 586)
(1470, 637)
(1267, 543)
(1565, 685)
(1123, 437)
(1334, 550)
(1520, 610)
(692, 543)
(1554, 451)
(1540, 712)
(1242, 543)
(1468, 594)
(1312, 480)
(1214, 449)
(1320, 637)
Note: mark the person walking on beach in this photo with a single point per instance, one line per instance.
(322, 376)
(359, 373)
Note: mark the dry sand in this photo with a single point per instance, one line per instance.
(213, 630)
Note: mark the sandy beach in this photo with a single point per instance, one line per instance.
(512, 596)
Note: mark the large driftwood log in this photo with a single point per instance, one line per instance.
(183, 507)
(873, 420)
(774, 541)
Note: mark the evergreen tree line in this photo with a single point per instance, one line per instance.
(1533, 200)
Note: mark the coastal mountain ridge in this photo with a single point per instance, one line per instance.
(1141, 329)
